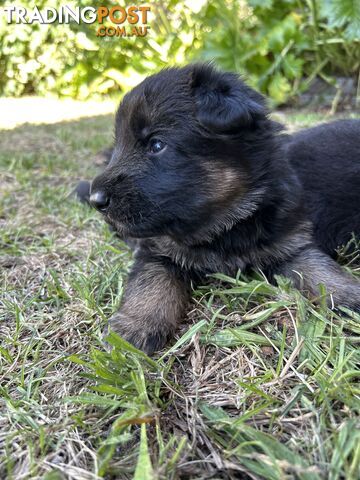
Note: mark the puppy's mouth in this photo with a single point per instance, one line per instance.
(126, 225)
(122, 223)
(120, 214)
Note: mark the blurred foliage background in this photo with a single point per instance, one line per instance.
(280, 46)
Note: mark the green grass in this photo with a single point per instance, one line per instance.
(259, 383)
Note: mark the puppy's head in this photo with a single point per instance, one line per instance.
(184, 142)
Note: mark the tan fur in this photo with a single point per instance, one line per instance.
(224, 183)
(311, 268)
(154, 301)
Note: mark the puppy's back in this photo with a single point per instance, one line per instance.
(327, 160)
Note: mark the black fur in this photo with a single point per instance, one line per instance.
(327, 161)
(228, 191)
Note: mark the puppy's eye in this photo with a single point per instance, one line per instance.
(156, 145)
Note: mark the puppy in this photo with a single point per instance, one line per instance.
(202, 181)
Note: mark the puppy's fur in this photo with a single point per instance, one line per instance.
(226, 190)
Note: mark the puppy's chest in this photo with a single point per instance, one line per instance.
(229, 258)
(205, 259)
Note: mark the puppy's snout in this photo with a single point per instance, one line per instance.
(100, 200)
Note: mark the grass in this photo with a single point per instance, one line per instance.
(259, 383)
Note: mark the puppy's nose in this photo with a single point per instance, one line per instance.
(99, 200)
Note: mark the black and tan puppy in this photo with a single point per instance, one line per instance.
(202, 181)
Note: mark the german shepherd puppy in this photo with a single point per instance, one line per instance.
(201, 181)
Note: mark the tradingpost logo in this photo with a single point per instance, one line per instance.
(115, 21)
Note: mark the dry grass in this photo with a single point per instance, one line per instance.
(260, 383)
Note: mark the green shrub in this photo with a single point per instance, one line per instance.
(280, 45)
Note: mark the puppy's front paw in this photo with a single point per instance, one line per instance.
(143, 334)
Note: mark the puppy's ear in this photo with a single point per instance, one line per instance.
(224, 104)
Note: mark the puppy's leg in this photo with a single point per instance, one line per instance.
(155, 300)
(311, 267)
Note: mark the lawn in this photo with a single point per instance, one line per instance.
(259, 383)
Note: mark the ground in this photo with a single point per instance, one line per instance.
(259, 383)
